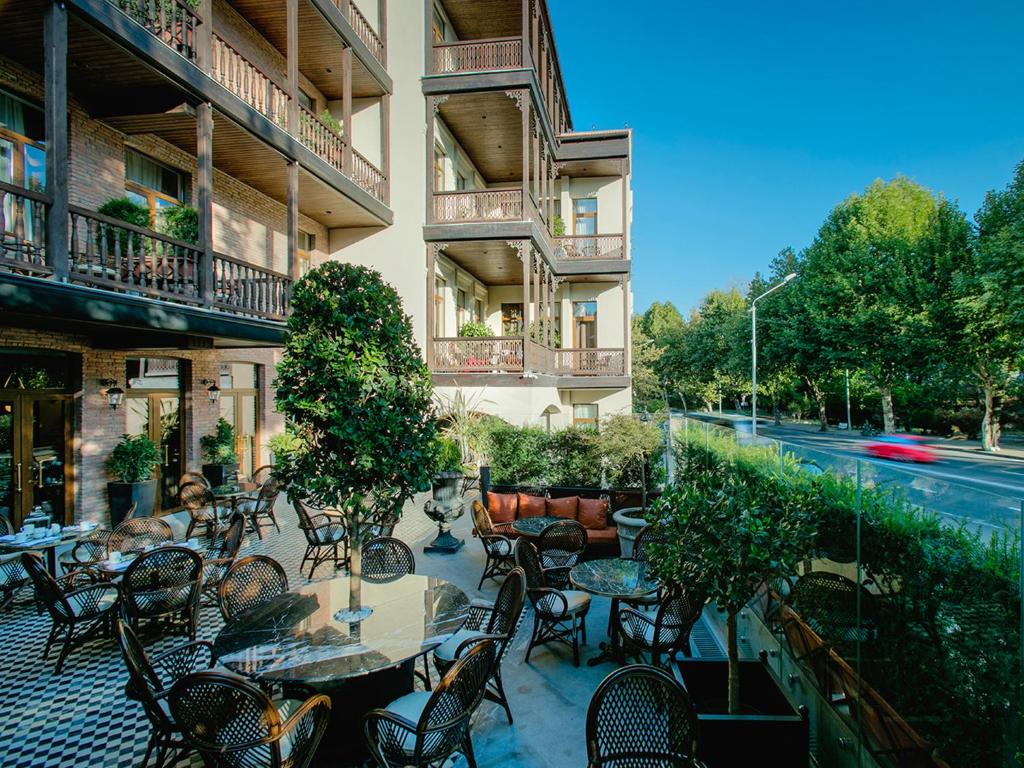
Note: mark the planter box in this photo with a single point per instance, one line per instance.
(219, 474)
(122, 495)
(769, 724)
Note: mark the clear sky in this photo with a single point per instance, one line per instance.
(753, 118)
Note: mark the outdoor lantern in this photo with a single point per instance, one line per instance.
(213, 390)
(115, 395)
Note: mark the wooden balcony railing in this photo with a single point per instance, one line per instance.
(321, 138)
(477, 56)
(364, 31)
(246, 81)
(369, 177)
(589, 362)
(23, 229)
(246, 289)
(485, 205)
(172, 21)
(589, 247)
(478, 355)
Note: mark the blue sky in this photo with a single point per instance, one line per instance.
(752, 119)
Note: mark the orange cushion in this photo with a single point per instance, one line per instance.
(502, 507)
(530, 506)
(593, 513)
(602, 535)
(563, 507)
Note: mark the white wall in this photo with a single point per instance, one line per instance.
(366, 129)
(539, 406)
(456, 160)
(610, 311)
(607, 190)
(454, 279)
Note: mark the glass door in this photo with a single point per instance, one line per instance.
(10, 469)
(584, 324)
(34, 457)
(158, 417)
(239, 407)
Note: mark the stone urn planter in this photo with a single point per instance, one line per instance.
(444, 508)
(629, 522)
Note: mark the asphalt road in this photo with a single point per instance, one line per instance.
(984, 490)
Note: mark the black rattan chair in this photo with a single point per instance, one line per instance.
(220, 557)
(497, 622)
(232, 723)
(89, 550)
(425, 728)
(163, 585)
(250, 582)
(149, 680)
(386, 559)
(640, 717)
(261, 506)
(500, 557)
(260, 475)
(137, 533)
(12, 574)
(79, 614)
(324, 534)
(559, 547)
(827, 602)
(666, 634)
(559, 615)
(201, 505)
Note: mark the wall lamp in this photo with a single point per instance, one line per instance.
(115, 395)
(213, 391)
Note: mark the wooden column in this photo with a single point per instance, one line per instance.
(204, 197)
(551, 309)
(625, 208)
(542, 304)
(535, 37)
(525, 34)
(431, 279)
(204, 35)
(55, 77)
(536, 295)
(293, 220)
(536, 161)
(526, 254)
(524, 108)
(292, 66)
(346, 109)
(382, 29)
(626, 316)
(385, 144)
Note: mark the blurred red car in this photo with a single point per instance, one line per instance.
(902, 448)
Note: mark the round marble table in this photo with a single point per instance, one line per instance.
(532, 526)
(618, 579)
(295, 638)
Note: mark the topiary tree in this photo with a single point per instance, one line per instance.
(357, 395)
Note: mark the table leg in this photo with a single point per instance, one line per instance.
(611, 650)
(51, 560)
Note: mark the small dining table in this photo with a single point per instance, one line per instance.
(47, 544)
(532, 527)
(619, 579)
(299, 637)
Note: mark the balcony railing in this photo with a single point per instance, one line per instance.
(245, 80)
(478, 56)
(321, 138)
(246, 289)
(485, 205)
(172, 21)
(475, 355)
(582, 247)
(369, 177)
(23, 229)
(364, 31)
(589, 362)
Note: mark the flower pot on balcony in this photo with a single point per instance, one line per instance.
(767, 718)
(122, 495)
(629, 522)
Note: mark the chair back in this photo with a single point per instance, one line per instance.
(677, 613)
(88, 549)
(528, 559)
(508, 605)
(143, 682)
(250, 582)
(227, 547)
(6, 529)
(195, 496)
(270, 489)
(828, 603)
(649, 535)
(48, 591)
(639, 716)
(482, 520)
(305, 520)
(193, 477)
(561, 544)
(387, 558)
(161, 581)
(137, 533)
(262, 474)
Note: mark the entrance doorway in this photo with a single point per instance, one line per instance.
(153, 406)
(239, 407)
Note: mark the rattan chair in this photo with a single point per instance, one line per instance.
(250, 582)
(649, 536)
(667, 634)
(387, 559)
(194, 477)
(640, 717)
(89, 550)
(201, 505)
(163, 585)
(12, 574)
(260, 475)
(498, 549)
(559, 615)
(261, 506)
(559, 547)
(497, 622)
(324, 534)
(232, 723)
(79, 613)
(827, 602)
(219, 558)
(425, 728)
(149, 680)
(137, 533)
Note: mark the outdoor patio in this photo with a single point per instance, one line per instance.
(82, 717)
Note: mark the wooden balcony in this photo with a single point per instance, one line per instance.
(482, 205)
(589, 247)
(477, 56)
(116, 256)
(589, 362)
(478, 355)
(172, 21)
(242, 78)
(364, 31)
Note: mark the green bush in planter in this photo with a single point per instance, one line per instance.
(475, 330)
(574, 457)
(519, 455)
(123, 209)
(447, 455)
(632, 451)
(219, 447)
(133, 459)
(180, 222)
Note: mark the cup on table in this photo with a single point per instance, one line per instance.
(116, 557)
(28, 528)
(21, 537)
(55, 529)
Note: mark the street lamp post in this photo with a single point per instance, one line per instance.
(753, 348)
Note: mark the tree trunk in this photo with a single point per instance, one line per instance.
(734, 664)
(822, 416)
(888, 417)
(355, 580)
(990, 427)
(775, 412)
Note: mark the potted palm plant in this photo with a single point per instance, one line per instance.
(132, 462)
(219, 454)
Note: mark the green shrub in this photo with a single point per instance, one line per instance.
(332, 122)
(537, 333)
(219, 447)
(133, 459)
(519, 455)
(180, 222)
(475, 330)
(123, 209)
(558, 226)
(632, 451)
(447, 455)
(575, 458)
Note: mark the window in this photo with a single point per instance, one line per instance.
(439, 158)
(305, 100)
(439, 288)
(461, 182)
(152, 184)
(584, 326)
(461, 309)
(22, 151)
(585, 216)
(478, 310)
(512, 319)
(306, 246)
(439, 28)
(584, 415)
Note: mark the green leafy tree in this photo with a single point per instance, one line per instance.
(645, 356)
(662, 319)
(631, 451)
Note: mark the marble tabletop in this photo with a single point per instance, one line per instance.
(233, 490)
(532, 526)
(613, 577)
(295, 637)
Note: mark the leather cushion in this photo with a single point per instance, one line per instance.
(593, 514)
(566, 507)
(531, 506)
(602, 535)
(502, 507)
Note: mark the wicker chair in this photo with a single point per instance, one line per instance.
(649, 535)
(666, 634)
(425, 728)
(12, 574)
(232, 723)
(201, 505)
(560, 546)
(324, 534)
(260, 475)
(639, 716)
(261, 506)
(149, 680)
(498, 549)
(827, 602)
(194, 477)
(137, 533)
(250, 582)
(88, 550)
(163, 584)
(559, 615)
(497, 622)
(387, 559)
(219, 558)
(79, 613)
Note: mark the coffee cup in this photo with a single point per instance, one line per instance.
(21, 537)
(55, 528)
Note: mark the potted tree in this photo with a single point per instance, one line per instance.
(446, 490)
(219, 454)
(628, 446)
(357, 395)
(132, 462)
(725, 536)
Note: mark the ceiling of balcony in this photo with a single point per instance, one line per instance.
(489, 127)
(492, 262)
(478, 19)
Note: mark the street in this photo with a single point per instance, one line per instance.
(984, 490)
